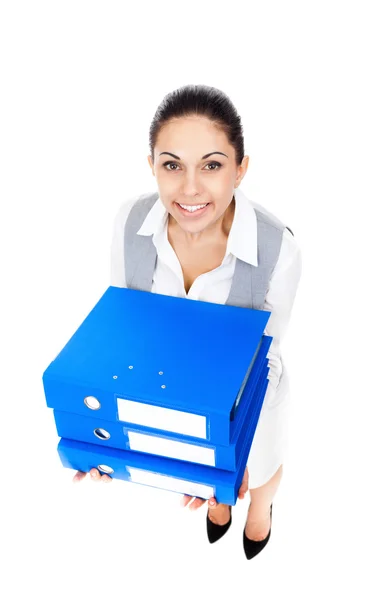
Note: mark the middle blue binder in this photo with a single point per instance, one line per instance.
(160, 362)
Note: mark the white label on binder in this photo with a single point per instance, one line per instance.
(171, 483)
(153, 444)
(159, 417)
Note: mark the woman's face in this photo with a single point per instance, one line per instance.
(195, 189)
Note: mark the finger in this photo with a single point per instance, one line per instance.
(185, 500)
(244, 485)
(79, 476)
(95, 475)
(242, 491)
(198, 502)
(106, 478)
(213, 503)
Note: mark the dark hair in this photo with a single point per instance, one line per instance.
(200, 100)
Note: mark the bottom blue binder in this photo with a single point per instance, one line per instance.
(165, 473)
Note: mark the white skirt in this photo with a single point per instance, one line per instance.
(270, 441)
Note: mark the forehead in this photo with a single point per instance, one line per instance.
(191, 134)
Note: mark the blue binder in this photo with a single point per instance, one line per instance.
(161, 362)
(165, 473)
(116, 434)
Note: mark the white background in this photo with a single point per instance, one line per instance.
(80, 83)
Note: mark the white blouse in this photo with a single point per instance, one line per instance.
(270, 440)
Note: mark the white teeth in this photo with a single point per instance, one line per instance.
(192, 208)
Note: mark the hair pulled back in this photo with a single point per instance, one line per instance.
(202, 100)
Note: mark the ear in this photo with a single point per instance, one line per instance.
(242, 169)
(150, 161)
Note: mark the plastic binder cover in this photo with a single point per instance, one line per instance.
(116, 434)
(158, 361)
(165, 473)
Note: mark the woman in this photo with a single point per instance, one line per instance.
(201, 225)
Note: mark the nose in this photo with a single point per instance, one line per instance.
(191, 185)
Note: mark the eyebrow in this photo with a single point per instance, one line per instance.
(205, 156)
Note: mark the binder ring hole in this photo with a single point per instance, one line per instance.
(102, 434)
(92, 402)
(105, 469)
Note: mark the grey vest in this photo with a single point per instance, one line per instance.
(250, 283)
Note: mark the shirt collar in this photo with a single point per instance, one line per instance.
(242, 240)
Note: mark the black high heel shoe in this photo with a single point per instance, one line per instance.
(253, 548)
(215, 532)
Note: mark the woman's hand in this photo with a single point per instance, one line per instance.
(95, 476)
(212, 503)
(244, 485)
(197, 502)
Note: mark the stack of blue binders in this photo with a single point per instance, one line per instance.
(162, 391)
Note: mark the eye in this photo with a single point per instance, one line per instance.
(170, 163)
(217, 164)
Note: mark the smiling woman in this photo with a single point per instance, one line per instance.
(200, 237)
(194, 125)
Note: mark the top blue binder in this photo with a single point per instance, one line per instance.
(159, 361)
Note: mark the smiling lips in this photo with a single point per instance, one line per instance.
(190, 209)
